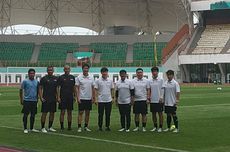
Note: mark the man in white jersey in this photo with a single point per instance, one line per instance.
(85, 96)
(141, 91)
(171, 100)
(124, 98)
(156, 99)
(104, 87)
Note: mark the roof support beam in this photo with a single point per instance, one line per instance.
(5, 14)
(51, 22)
(97, 12)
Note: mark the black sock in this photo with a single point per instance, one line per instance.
(50, 124)
(62, 125)
(25, 121)
(160, 126)
(43, 124)
(155, 125)
(86, 125)
(175, 120)
(79, 125)
(137, 123)
(169, 121)
(69, 124)
(143, 124)
(32, 118)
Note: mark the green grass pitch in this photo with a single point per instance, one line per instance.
(204, 120)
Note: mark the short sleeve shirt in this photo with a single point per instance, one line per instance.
(123, 88)
(66, 83)
(140, 88)
(85, 83)
(30, 89)
(104, 87)
(156, 86)
(170, 89)
(49, 85)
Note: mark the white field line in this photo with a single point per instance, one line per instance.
(107, 141)
(208, 105)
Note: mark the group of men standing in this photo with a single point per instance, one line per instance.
(65, 89)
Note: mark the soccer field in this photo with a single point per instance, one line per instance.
(204, 121)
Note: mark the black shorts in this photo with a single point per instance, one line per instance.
(66, 104)
(29, 107)
(170, 109)
(140, 107)
(156, 107)
(85, 105)
(49, 106)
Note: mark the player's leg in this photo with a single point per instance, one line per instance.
(88, 108)
(128, 116)
(122, 116)
(100, 115)
(108, 109)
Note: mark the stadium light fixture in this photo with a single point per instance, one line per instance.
(155, 43)
(155, 47)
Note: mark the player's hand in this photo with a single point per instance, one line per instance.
(148, 99)
(177, 102)
(59, 100)
(78, 100)
(160, 100)
(43, 100)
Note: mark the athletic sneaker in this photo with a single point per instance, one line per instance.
(159, 130)
(166, 130)
(79, 130)
(44, 130)
(87, 129)
(176, 130)
(127, 130)
(52, 130)
(122, 129)
(154, 129)
(143, 129)
(136, 129)
(25, 131)
(35, 130)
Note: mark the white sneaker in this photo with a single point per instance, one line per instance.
(87, 129)
(25, 131)
(166, 130)
(127, 130)
(35, 130)
(79, 129)
(52, 130)
(143, 129)
(136, 129)
(159, 130)
(154, 129)
(176, 130)
(44, 130)
(122, 129)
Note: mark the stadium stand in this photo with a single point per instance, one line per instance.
(56, 51)
(10, 51)
(213, 39)
(146, 51)
(110, 51)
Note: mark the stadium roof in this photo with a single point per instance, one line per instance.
(154, 15)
